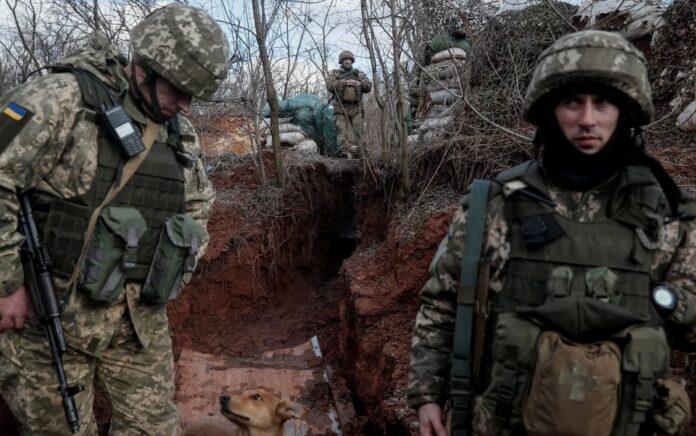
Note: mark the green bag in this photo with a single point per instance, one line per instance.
(111, 252)
(175, 256)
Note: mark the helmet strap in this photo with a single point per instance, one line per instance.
(153, 110)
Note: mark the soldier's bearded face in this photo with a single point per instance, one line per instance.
(347, 63)
(170, 99)
(587, 121)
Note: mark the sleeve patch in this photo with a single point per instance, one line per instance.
(15, 111)
(13, 118)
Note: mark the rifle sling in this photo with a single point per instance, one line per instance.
(460, 373)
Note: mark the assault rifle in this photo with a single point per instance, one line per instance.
(39, 283)
(350, 74)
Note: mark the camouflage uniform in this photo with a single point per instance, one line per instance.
(127, 343)
(348, 117)
(673, 261)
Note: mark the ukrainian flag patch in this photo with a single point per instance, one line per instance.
(13, 118)
(14, 111)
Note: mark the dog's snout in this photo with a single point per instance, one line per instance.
(224, 399)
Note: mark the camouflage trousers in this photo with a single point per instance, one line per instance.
(139, 381)
(349, 130)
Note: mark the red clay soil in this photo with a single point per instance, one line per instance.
(377, 319)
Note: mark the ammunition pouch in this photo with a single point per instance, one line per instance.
(351, 94)
(112, 252)
(514, 345)
(175, 256)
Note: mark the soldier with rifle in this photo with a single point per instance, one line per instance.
(109, 221)
(346, 86)
(563, 284)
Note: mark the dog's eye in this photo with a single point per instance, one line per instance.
(256, 397)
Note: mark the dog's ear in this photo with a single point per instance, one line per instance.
(289, 409)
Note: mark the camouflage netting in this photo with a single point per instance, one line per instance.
(672, 70)
(672, 63)
(498, 69)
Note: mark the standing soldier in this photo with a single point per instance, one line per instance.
(346, 86)
(583, 276)
(65, 140)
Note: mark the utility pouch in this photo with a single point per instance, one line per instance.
(111, 253)
(575, 388)
(175, 256)
(498, 408)
(351, 94)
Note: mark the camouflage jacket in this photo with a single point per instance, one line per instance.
(56, 152)
(674, 263)
(335, 84)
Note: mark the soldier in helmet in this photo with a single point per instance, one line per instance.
(116, 261)
(583, 276)
(346, 86)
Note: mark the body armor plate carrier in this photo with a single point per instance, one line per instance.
(156, 190)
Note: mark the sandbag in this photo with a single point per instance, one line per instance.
(286, 127)
(267, 121)
(444, 83)
(434, 123)
(307, 147)
(291, 138)
(443, 70)
(290, 127)
(437, 111)
(450, 53)
(445, 96)
(686, 121)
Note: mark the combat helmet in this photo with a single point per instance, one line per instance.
(596, 57)
(184, 45)
(346, 54)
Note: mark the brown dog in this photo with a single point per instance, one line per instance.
(256, 412)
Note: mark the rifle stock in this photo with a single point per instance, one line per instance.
(39, 283)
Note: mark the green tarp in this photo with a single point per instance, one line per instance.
(314, 115)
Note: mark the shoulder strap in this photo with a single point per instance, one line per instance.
(94, 92)
(460, 374)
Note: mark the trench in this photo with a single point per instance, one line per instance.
(247, 299)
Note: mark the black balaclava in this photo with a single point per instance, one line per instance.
(567, 166)
(153, 109)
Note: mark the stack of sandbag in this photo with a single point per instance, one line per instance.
(306, 123)
(634, 18)
(686, 121)
(291, 135)
(441, 82)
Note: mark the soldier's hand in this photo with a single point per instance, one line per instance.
(14, 309)
(672, 412)
(430, 420)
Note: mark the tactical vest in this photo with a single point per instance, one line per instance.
(350, 95)
(156, 190)
(553, 258)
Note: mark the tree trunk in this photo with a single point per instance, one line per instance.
(399, 116)
(271, 95)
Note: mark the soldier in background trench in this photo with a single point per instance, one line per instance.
(586, 270)
(346, 86)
